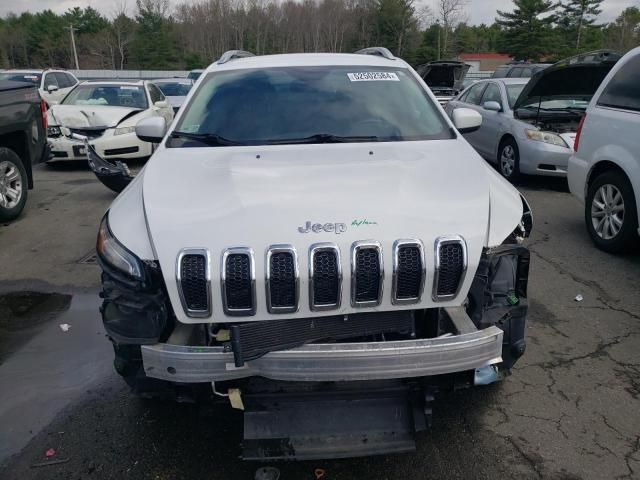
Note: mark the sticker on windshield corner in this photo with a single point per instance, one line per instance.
(373, 77)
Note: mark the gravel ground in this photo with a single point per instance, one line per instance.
(570, 410)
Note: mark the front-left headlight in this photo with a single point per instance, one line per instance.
(546, 137)
(123, 130)
(116, 255)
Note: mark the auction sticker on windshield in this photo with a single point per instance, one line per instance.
(373, 77)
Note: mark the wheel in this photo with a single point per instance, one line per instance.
(509, 160)
(13, 185)
(611, 213)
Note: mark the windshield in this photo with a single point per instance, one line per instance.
(174, 89)
(513, 92)
(311, 105)
(21, 77)
(194, 75)
(107, 95)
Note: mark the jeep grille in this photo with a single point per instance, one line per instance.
(451, 265)
(194, 282)
(408, 271)
(238, 282)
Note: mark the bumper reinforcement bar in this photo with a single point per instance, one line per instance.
(330, 362)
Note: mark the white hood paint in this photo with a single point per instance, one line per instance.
(223, 197)
(88, 116)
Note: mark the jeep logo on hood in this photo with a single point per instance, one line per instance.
(336, 228)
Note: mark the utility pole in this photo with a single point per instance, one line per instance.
(438, 24)
(73, 44)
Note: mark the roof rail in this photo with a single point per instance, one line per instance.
(232, 55)
(378, 51)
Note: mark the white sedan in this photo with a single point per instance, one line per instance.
(106, 113)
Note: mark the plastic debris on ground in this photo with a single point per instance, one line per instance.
(50, 453)
(579, 297)
(267, 473)
(319, 473)
(65, 327)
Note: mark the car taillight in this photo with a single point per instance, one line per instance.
(576, 143)
(43, 111)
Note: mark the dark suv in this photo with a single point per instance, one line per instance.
(519, 70)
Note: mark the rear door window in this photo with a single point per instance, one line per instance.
(623, 91)
(515, 73)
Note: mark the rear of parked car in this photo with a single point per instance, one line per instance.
(604, 173)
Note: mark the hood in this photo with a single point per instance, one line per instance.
(576, 77)
(444, 74)
(89, 116)
(260, 196)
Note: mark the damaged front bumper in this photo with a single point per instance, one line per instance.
(466, 351)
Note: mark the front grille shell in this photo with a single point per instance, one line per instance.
(200, 312)
(271, 252)
(396, 297)
(356, 249)
(228, 309)
(442, 242)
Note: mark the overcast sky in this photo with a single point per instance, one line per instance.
(479, 11)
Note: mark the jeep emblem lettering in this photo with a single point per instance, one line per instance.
(336, 228)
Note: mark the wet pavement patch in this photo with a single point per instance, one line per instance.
(22, 314)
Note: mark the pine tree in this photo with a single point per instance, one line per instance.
(527, 30)
(577, 15)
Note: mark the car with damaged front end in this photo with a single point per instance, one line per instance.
(314, 243)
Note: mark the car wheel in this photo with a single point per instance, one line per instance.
(509, 160)
(611, 212)
(13, 185)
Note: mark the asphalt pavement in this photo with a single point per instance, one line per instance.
(571, 409)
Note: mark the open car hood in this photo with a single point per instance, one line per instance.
(444, 74)
(575, 77)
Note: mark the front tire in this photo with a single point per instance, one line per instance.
(611, 213)
(13, 185)
(509, 160)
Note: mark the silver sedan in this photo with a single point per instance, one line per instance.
(517, 146)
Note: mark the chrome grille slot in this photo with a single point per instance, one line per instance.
(325, 277)
(408, 272)
(194, 282)
(366, 274)
(451, 266)
(238, 282)
(282, 279)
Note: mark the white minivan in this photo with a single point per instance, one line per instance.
(604, 173)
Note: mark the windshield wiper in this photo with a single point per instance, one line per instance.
(323, 138)
(211, 139)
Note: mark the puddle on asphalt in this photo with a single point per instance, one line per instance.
(24, 314)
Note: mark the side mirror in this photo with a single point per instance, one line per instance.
(492, 106)
(151, 129)
(52, 88)
(161, 104)
(466, 120)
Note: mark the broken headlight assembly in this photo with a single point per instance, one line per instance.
(498, 294)
(116, 255)
(135, 309)
(524, 227)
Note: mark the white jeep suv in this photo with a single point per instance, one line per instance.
(315, 243)
(604, 173)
